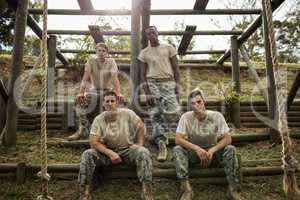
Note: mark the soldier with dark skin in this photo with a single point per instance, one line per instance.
(203, 137)
(160, 79)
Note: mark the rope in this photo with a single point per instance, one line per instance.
(289, 162)
(45, 177)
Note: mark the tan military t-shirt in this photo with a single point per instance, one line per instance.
(118, 134)
(158, 60)
(205, 133)
(101, 74)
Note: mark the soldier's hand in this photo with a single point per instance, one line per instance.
(80, 99)
(150, 99)
(115, 158)
(210, 154)
(120, 98)
(177, 91)
(203, 156)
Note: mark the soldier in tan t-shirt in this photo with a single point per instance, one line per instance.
(203, 138)
(100, 75)
(117, 136)
(160, 79)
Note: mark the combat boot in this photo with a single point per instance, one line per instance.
(77, 135)
(186, 190)
(162, 151)
(147, 191)
(234, 192)
(85, 192)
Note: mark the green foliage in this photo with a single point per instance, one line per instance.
(288, 37)
(6, 25)
(227, 93)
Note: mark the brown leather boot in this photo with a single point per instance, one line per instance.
(85, 192)
(186, 190)
(77, 135)
(162, 151)
(234, 192)
(147, 191)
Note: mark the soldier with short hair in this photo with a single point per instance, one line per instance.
(117, 136)
(100, 75)
(203, 136)
(160, 79)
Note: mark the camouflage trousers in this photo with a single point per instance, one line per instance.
(139, 157)
(166, 109)
(226, 158)
(86, 112)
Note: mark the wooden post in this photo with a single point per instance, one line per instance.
(10, 138)
(3, 103)
(236, 81)
(145, 21)
(293, 91)
(51, 65)
(135, 49)
(21, 173)
(272, 102)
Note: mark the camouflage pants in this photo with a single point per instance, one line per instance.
(166, 109)
(225, 157)
(139, 157)
(87, 112)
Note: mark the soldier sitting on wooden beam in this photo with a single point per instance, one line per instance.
(117, 136)
(197, 142)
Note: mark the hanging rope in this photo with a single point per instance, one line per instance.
(45, 177)
(289, 162)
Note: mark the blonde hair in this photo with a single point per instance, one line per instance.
(103, 45)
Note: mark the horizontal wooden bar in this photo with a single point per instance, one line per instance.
(36, 11)
(128, 52)
(127, 33)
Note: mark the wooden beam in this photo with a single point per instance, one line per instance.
(152, 12)
(124, 33)
(186, 39)
(96, 33)
(128, 52)
(272, 100)
(200, 4)
(51, 66)
(236, 81)
(3, 91)
(85, 4)
(293, 91)
(10, 137)
(249, 31)
(135, 50)
(146, 6)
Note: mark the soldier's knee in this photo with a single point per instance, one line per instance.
(230, 150)
(143, 151)
(177, 150)
(87, 154)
